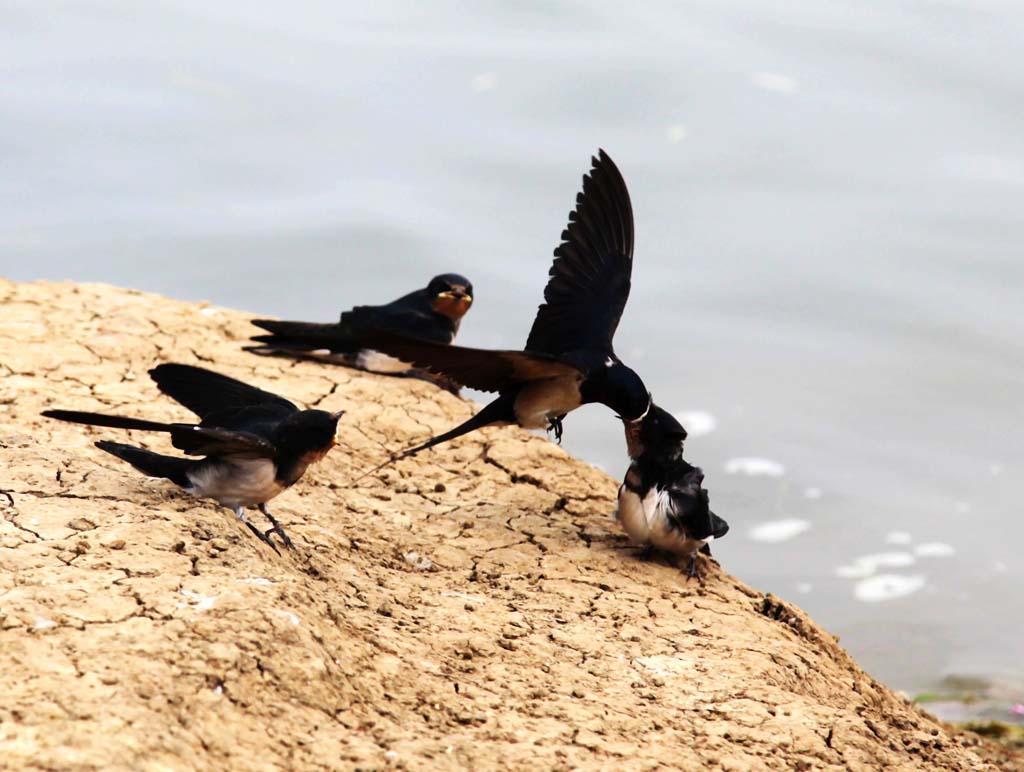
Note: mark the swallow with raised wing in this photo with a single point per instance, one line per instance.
(661, 502)
(432, 313)
(254, 444)
(569, 359)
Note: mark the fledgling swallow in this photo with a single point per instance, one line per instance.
(255, 444)
(661, 502)
(569, 359)
(432, 313)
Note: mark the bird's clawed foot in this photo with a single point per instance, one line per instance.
(263, 537)
(692, 572)
(278, 529)
(555, 425)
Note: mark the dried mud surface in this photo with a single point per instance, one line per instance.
(473, 608)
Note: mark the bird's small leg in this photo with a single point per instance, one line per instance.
(240, 514)
(691, 569)
(555, 425)
(278, 529)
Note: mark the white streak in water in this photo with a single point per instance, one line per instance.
(675, 133)
(774, 81)
(755, 467)
(697, 422)
(897, 537)
(887, 587)
(812, 493)
(485, 81)
(777, 531)
(866, 565)
(934, 549)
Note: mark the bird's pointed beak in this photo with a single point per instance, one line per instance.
(457, 292)
(335, 417)
(453, 302)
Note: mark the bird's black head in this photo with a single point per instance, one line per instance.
(450, 295)
(626, 393)
(307, 435)
(691, 505)
(658, 436)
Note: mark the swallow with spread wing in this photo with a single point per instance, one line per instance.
(569, 359)
(661, 502)
(432, 313)
(255, 444)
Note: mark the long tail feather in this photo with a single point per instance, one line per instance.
(498, 411)
(151, 464)
(113, 421)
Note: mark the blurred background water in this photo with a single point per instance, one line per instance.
(828, 266)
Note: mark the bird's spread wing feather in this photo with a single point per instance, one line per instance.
(476, 368)
(590, 276)
(205, 392)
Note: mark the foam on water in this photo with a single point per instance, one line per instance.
(774, 81)
(866, 565)
(697, 422)
(934, 549)
(755, 467)
(776, 531)
(675, 133)
(898, 537)
(887, 587)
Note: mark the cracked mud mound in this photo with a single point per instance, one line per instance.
(473, 607)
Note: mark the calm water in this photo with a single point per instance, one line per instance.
(829, 235)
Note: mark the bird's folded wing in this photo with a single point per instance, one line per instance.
(304, 336)
(210, 441)
(205, 392)
(590, 276)
(476, 368)
(363, 321)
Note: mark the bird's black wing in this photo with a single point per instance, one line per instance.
(286, 336)
(348, 336)
(205, 392)
(476, 368)
(590, 277)
(213, 441)
(410, 315)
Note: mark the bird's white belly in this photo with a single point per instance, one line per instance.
(645, 521)
(376, 362)
(236, 483)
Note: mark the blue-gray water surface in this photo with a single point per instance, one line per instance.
(828, 272)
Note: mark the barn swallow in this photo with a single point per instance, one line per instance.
(255, 444)
(568, 360)
(661, 502)
(432, 313)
